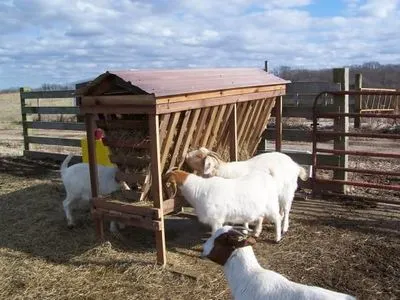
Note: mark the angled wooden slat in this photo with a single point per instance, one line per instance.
(209, 126)
(164, 119)
(199, 130)
(269, 104)
(240, 109)
(171, 129)
(243, 121)
(218, 123)
(189, 135)
(255, 124)
(182, 131)
(250, 123)
(222, 131)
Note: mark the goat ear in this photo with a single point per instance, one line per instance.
(208, 167)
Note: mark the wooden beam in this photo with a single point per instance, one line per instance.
(233, 141)
(48, 94)
(278, 124)
(357, 100)
(185, 105)
(221, 93)
(130, 208)
(53, 141)
(156, 186)
(50, 110)
(23, 117)
(58, 157)
(56, 125)
(118, 100)
(118, 109)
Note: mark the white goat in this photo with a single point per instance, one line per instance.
(248, 280)
(76, 180)
(219, 200)
(284, 170)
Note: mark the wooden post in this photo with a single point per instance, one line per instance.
(278, 123)
(156, 186)
(23, 117)
(94, 181)
(357, 100)
(233, 140)
(266, 66)
(341, 104)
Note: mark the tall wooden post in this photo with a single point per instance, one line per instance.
(278, 123)
(341, 104)
(94, 180)
(23, 116)
(357, 100)
(233, 139)
(156, 186)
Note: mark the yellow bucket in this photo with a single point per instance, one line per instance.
(102, 153)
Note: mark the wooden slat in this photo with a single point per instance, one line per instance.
(247, 123)
(164, 119)
(259, 128)
(131, 177)
(118, 109)
(254, 122)
(48, 94)
(233, 140)
(180, 106)
(171, 129)
(51, 110)
(173, 205)
(241, 108)
(121, 124)
(23, 119)
(209, 126)
(269, 103)
(230, 92)
(120, 206)
(244, 115)
(53, 141)
(129, 160)
(118, 100)
(58, 157)
(129, 219)
(126, 143)
(200, 127)
(56, 125)
(188, 139)
(218, 123)
(178, 142)
(222, 133)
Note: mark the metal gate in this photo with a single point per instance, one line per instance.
(318, 114)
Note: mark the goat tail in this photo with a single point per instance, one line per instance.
(65, 163)
(303, 174)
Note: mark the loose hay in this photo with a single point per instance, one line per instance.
(347, 248)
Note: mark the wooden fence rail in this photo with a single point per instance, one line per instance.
(48, 125)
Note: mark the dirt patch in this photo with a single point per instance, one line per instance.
(352, 249)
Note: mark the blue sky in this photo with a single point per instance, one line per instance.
(60, 41)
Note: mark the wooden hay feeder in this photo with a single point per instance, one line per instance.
(152, 118)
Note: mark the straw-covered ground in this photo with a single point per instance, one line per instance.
(347, 246)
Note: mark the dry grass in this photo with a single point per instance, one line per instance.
(336, 245)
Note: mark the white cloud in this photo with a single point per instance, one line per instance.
(60, 40)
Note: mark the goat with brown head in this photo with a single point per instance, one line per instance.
(174, 178)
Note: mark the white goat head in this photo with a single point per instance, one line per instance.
(195, 159)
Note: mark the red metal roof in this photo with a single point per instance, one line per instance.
(176, 82)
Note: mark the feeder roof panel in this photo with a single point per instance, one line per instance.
(165, 83)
